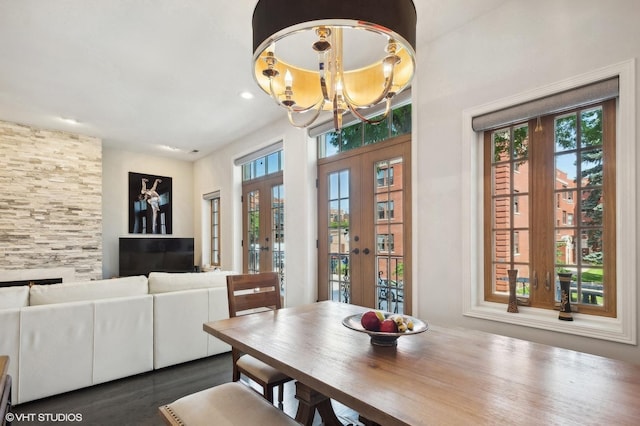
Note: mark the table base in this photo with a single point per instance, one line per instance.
(308, 401)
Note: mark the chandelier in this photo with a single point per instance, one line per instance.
(333, 55)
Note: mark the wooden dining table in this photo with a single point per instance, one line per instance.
(445, 375)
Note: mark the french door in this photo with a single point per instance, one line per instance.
(263, 225)
(364, 217)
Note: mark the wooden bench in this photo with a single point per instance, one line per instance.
(229, 404)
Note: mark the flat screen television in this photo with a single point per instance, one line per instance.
(139, 256)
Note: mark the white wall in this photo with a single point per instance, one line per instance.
(514, 47)
(116, 166)
(218, 173)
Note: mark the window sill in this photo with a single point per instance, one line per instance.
(596, 327)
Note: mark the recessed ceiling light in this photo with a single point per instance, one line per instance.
(170, 148)
(246, 95)
(70, 120)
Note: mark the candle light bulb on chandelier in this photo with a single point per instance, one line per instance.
(386, 69)
(288, 79)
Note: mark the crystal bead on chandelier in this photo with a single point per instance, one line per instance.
(377, 65)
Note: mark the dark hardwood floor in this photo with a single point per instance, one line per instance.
(135, 400)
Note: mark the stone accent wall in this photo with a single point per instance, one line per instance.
(50, 200)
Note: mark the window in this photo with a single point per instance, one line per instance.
(398, 123)
(385, 210)
(573, 155)
(215, 232)
(618, 326)
(509, 146)
(263, 198)
(385, 242)
(263, 166)
(385, 176)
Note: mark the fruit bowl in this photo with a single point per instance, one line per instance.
(380, 338)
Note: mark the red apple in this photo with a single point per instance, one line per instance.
(388, 326)
(370, 321)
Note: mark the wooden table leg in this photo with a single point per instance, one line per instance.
(367, 422)
(308, 401)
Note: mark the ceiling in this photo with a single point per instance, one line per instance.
(156, 76)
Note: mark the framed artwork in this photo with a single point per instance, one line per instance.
(150, 204)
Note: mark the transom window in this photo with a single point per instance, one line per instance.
(263, 166)
(397, 123)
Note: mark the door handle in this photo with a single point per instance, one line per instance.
(355, 251)
(366, 251)
(264, 248)
(547, 282)
(535, 279)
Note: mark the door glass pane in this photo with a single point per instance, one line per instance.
(520, 206)
(253, 231)
(500, 147)
(502, 213)
(591, 127)
(566, 170)
(510, 208)
(591, 286)
(502, 179)
(579, 203)
(566, 247)
(338, 236)
(591, 166)
(277, 232)
(520, 147)
(500, 278)
(502, 246)
(591, 247)
(521, 247)
(566, 132)
(389, 226)
(523, 280)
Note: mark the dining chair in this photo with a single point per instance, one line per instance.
(247, 294)
(228, 404)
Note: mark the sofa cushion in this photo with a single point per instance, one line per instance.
(56, 349)
(123, 337)
(14, 297)
(88, 290)
(164, 282)
(177, 326)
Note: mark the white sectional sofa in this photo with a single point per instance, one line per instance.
(68, 336)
